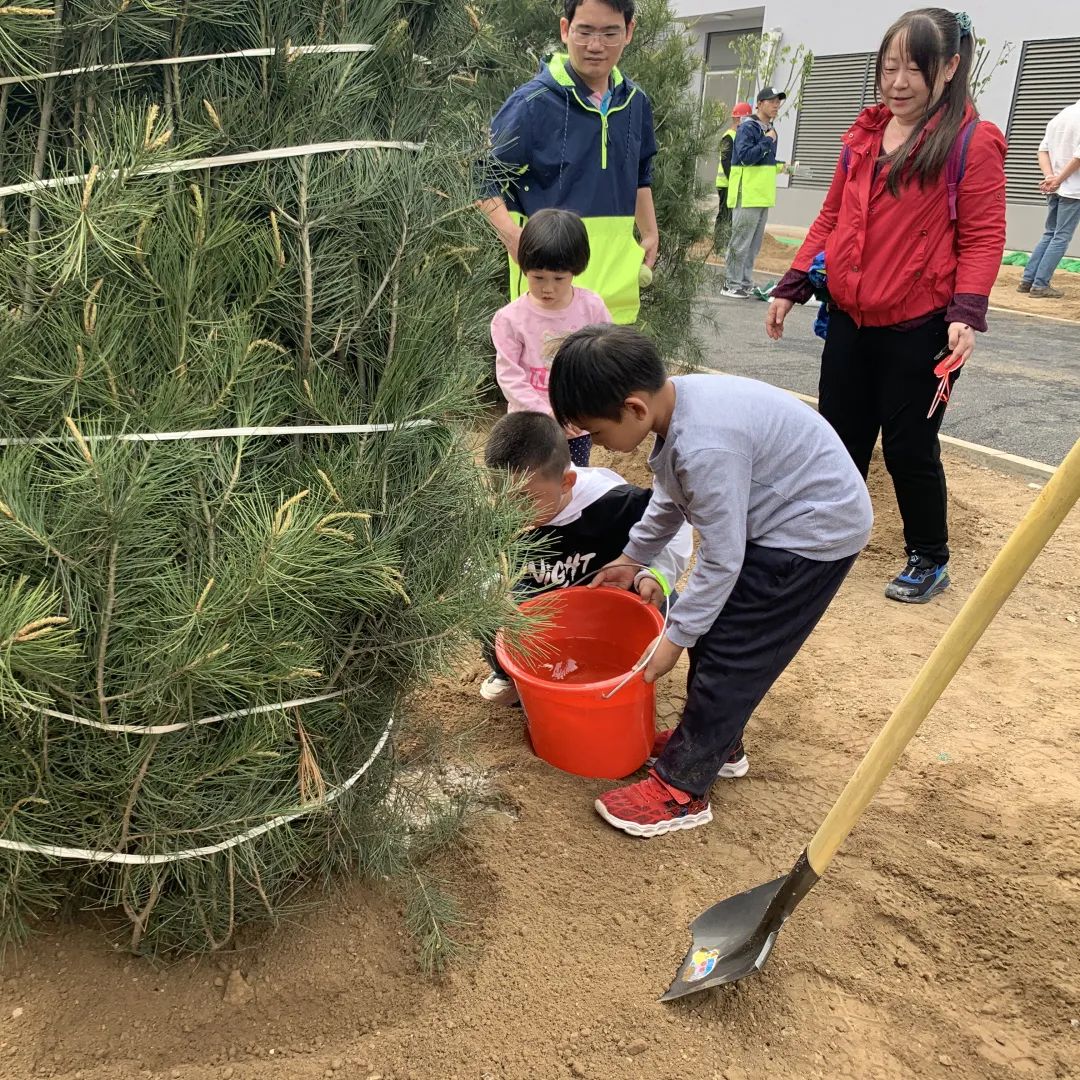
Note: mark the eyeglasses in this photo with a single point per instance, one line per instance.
(605, 37)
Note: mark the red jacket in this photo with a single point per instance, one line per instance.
(892, 259)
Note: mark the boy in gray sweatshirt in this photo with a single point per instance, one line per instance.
(781, 513)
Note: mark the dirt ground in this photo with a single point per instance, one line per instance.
(775, 258)
(942, 943)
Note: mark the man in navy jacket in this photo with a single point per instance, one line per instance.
(579, 136)
(751, 190)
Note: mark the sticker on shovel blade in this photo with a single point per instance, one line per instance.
(701, 964)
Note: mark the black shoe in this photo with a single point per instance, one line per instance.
(921, 580)
(1024, 286)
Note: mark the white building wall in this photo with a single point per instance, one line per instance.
(844, 26)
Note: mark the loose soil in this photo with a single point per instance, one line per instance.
(775, 258)
(942, 943)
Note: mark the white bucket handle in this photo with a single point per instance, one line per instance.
(643, 662)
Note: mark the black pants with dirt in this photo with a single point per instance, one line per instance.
(777, 601)
(876, 379)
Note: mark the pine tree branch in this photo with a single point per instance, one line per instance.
(5, 93)
(306, 271)
(103, 639)
(172, 76)
(391, 340)
(261, 890)
(391, 269)
(33, 233)
(211, 529)
(411, 641)
(81, 82)
(347, 655)
(213, 941)
(129, 808)
(140, 919)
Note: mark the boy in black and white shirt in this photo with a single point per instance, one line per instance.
(583, 521)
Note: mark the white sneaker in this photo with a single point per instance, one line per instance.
(499, 691)
(734, 767)
(737, 765)
(737, 292)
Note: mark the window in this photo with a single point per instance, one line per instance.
(722, 81)
(1048, 81)
(837, 89)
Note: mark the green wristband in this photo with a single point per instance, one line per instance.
(661, 579)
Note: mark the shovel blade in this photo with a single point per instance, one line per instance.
(734, 938)
(730, 941)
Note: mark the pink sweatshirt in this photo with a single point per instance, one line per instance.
(524, 334)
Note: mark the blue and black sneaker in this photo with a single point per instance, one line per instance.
(921, 580)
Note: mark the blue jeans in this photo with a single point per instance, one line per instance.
(1062, 217)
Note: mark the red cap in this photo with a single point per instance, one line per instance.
(742, 109)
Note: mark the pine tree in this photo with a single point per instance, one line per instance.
(661, 58)
(206, 638)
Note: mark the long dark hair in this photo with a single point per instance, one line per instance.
(930, 37)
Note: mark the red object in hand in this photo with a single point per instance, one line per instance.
(947, 364)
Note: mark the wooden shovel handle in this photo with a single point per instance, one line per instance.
(1012, 562)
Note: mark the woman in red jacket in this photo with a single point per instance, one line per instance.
(910, 265)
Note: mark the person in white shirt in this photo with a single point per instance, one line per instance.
(1059, 159)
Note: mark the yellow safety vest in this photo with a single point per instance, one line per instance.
(721, 176)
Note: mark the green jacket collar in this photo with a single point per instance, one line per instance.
(561, 71)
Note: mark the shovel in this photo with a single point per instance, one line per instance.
(734, 938)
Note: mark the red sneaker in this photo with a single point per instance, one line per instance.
(736, 765)
(652, 808)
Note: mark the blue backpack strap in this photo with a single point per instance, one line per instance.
(956, 163)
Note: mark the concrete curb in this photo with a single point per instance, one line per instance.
(1031, 315)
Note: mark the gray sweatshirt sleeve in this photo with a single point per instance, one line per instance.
(660, 522)
(718, 494)
(672, 561)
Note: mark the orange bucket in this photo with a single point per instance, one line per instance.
(592, 640)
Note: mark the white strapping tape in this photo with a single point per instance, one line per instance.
(175, 61)
(168, 729)
(124, 859)
(220, 433)
(275, 153)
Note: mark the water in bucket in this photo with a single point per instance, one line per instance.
(592, 638)
(588, 660)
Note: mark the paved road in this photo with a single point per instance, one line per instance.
(1019, 393)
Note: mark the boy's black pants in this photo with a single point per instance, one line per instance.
(777, 601)
(487, 649)
(878, 379)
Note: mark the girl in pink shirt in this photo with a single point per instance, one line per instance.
(553, 249)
